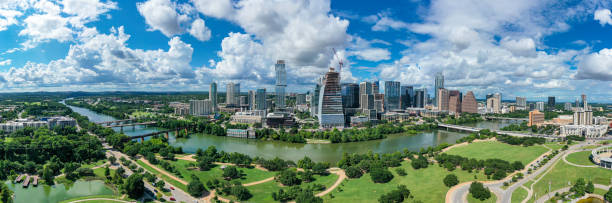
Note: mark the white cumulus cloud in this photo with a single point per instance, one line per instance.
(603, 16)
(172, 18)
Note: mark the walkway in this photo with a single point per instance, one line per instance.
(101, 199)
(341, 177)
(164, 172)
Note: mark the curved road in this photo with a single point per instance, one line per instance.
(545, 197)
(103, 199)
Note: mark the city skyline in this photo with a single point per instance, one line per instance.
(92, 46)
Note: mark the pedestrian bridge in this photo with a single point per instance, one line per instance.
(510, 133)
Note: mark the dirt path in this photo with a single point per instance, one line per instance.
(163, 172)
(212, 195)
(101, 199)
(258, 182)
(341, 177)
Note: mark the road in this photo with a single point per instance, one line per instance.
(459, 192)
(545, 197)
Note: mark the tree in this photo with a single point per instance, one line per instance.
(590, 188)
(478, 191)
(306, 176)
(230, 172)
(499, 174)
(5, 194)
(517, 165)
(241, 192)
(112, 160)
(451, 180)
(288, 177)
(205, 163)
(134, 186)
(608, 195)
(578, 188)
(395, 196)
(195, 187)
(47, 175)
(306, 196)
(320, 168)
(401, 172)
(353, 172)
(380, 175)
(160, 184)
(106, 171)
(305, 163)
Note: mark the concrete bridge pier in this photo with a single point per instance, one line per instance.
(166, 136)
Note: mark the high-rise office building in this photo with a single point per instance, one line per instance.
(200, 107)
(244, 102)
(585, 104)
(420, 98)
(577, 103)
(350, 95)
(212, 95)
(314, 103)
(251, 100)
(551, 102)
(331, 114)
(406, 96)
(365, 88)
(540, 106)
(232, 93)
(367, 102)
(281, 83)
(567, 106)
(300, 99)
(494, 103)
(392, 95)
(442, 98)
(260, 99)
(521, 102)
(469, 104)
(379, 102)
(438, 85)
(375, 87)
(454, 101)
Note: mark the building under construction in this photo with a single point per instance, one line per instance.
(330, 111)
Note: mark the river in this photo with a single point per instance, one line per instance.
(294, 151)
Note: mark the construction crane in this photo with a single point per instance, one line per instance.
(340, 63)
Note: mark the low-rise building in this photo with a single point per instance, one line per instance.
(588, 131)
(359, 120)
(251, 116)
(275, 120)
(394, 117)
(241, 133)
(51, 122)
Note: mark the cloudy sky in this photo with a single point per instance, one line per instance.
(532, 48)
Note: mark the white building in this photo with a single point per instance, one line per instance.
(540, 106)
(200, 107)
(251, 117)
(588, 131)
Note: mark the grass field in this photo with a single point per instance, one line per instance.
(491, 199)
(425, 185)
(263, 192)
(563, 173)
(519, 194)
(490, 150)
(580, 158)
(252, 174)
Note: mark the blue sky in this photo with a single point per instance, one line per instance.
(532, 48)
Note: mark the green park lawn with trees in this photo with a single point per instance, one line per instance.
(562, 173)
(425, 184)
(519, 195)
(189, 168)
(580, 158)
(263, 192)
(498, 150)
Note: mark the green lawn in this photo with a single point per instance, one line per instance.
(580, 158)
(252, 174)
(263, 192)
(601, 192)
(491, 199)
(100, 172)
(563, 173)
(555, 145)
(425, 185)
(519, 194)
(490, 150)
(93, 164)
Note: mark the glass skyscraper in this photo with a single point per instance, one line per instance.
(331, 114)
(406, 96)
(260, 99)
(439, 85)
(392, 95)
(281, 83)
(212, 95)
(350, 95)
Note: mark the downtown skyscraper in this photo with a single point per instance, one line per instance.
(438, 85)
(232, 93)
(212, 95)
(331, 114)
(281, 83)
(392, 95)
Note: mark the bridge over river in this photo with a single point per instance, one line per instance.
(474, 129)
